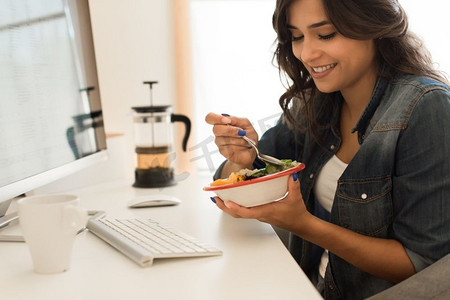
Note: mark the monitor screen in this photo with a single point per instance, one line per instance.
(51, 122)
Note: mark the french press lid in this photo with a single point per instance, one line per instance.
(151, 109)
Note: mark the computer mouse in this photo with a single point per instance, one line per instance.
(153, 200)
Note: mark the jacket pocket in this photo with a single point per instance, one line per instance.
(365, 206)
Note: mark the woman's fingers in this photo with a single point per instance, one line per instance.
(232, 122)
(226, 130)
(294, 188)
(229, 208)
(275, 213)
(216, 119)
(222, 126)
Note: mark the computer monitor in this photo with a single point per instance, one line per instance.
(51, 122)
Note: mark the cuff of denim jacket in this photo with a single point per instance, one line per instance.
(420, 262)
(219, 171)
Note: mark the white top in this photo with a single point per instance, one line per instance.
(324, 190)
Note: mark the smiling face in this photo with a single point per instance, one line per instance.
(336, 63)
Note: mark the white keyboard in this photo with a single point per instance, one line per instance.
(143, 240)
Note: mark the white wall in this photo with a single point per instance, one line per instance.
(430, 21)
(233, 45)
(134, 43)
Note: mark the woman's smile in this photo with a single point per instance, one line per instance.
(321, 71)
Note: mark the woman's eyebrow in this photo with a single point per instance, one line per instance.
(315, 25)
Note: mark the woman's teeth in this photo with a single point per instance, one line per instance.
(323, 69)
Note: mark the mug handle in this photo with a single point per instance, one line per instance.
(187, 123)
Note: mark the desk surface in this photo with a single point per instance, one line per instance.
(254, 265)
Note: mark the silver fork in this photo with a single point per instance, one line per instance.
(263, 157)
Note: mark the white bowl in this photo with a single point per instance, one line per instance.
(256, 191)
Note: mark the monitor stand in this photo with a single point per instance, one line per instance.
(7, 221)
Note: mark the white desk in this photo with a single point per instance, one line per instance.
(254, 265)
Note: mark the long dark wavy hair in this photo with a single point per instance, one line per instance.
(383, 21)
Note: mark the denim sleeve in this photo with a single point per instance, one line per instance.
(420, 262)
(219, 171)
(279, 142)
(422, 181)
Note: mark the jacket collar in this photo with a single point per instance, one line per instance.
(377, 94)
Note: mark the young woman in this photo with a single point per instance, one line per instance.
(370, 118)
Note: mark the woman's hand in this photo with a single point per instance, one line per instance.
(289, 213)
(231, 145)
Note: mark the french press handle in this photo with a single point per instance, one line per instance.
(187, 123)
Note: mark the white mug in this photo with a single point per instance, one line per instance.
(49, 224)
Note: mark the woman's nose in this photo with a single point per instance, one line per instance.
(309, 51)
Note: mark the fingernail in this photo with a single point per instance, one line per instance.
(294, 177)
(213, 200)
(249, 147)
(241, 132)
(225, 115)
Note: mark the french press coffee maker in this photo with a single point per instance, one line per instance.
(154, 143)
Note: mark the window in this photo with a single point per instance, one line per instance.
(233, 44)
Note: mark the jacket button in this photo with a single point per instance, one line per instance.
(364, 196)
(332, 147)
(331, 287)
(311, 176)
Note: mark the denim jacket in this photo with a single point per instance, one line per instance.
(397, 186)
